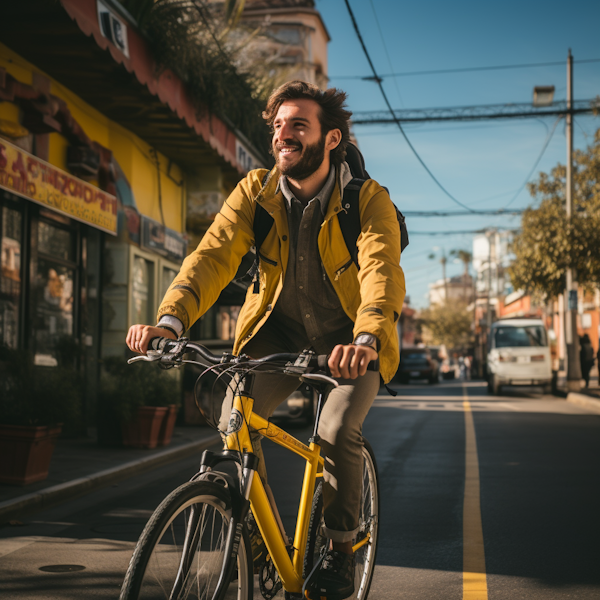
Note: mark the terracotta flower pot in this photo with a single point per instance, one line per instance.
(26, 452)
(142, 431)
(166, 429)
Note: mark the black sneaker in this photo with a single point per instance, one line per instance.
(334, 579)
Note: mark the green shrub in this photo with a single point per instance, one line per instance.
(32, 395)
(125, 387)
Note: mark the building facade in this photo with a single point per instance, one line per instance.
(104, 162)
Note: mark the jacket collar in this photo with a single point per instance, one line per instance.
(272, 199)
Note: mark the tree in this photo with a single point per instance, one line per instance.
(448, 324)
(547, 244)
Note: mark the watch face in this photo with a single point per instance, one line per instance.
(365, 339)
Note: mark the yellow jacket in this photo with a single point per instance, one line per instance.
(372, 296)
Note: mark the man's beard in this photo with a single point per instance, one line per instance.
(311, 159)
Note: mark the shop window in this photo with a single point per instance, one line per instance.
(167, 276)
(54, 293)
(226, 321)
(10, 276)
(55, 242)
(142, 290)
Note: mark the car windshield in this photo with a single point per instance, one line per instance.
(514, 337)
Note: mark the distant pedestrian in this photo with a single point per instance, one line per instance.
(468, 367)
(586, 358)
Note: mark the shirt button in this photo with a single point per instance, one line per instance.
(308, 316)
(314, 338)
(301, 258)
(300, 287)
(306, 227)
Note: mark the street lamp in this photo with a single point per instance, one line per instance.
(543, 95)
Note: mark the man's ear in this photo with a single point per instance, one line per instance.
(333, 139)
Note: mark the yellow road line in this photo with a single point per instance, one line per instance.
(474, 576)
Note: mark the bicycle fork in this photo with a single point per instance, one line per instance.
(240, 505)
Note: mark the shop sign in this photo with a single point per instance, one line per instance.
(245, 159)
(162, 240)
(34, 179)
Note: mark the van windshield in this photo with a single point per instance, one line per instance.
(514, 337)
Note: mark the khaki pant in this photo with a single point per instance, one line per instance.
(340, 429)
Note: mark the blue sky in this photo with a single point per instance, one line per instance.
(482, 164)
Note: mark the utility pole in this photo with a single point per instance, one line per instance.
(571, 338)
(443, 261)
(491, 241)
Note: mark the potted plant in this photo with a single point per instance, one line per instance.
(35, 403)
(144, 400)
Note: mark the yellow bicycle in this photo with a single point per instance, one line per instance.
(197, 545)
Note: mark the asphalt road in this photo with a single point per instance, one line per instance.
(538, 473)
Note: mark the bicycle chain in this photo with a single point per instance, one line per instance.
(269, 580)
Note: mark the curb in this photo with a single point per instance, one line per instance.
(84, 485)
(584, 401)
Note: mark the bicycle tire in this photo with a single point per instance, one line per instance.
(155, 561)
(365, 556)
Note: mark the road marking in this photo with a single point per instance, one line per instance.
(474, 576)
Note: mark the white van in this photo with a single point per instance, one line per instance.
(519, 354)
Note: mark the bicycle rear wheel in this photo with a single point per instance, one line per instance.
(157, 557)
(368, 526)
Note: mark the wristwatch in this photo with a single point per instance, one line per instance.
(367, 339)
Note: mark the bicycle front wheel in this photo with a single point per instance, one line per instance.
(186, 535)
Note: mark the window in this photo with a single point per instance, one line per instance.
(142, 290)
(10, 276)
(515, 337)
(54, 285)
(168, 274)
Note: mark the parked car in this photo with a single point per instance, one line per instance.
(417, 363)
(519, 354)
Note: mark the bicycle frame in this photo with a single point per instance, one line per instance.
(238, 438)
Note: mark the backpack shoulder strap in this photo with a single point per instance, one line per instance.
(263, 222)
(349, 218)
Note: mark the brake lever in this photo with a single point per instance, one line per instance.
(151, 356)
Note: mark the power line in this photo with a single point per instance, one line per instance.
(463, 70)
(460, 213)
(546, 142)
(379, 83)
(385, 48)
(464, 232)
(514, 110)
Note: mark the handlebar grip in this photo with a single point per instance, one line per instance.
(322, 363)
(159, 343)
(323, 359)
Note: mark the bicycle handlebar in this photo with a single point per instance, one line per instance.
(302, 361)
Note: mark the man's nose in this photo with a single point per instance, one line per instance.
(285, 132)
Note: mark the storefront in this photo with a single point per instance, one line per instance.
(51, 230)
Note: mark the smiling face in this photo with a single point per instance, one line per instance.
(299, 146)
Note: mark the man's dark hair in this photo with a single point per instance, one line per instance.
(332, 115)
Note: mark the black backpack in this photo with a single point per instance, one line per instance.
(349, 219)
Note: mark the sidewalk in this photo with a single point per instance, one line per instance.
(587, 397)
(80, 466)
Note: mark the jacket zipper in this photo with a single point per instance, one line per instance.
(267, 260)
(342, 269)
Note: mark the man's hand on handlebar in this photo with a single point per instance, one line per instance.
(139, 336)
(350, 361)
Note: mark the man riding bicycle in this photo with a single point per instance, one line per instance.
(309, 293)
